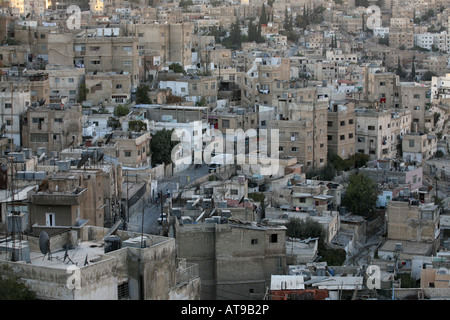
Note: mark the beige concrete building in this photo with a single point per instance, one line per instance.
(171, 41)
(418, 147)
(132, 149)
(341, 129)
(303, 131)
(123, 266)
(15, 97)
(235, 259)
(379, 132)
(53, 127)
(413, 222)
(258, 81)
(108, 88)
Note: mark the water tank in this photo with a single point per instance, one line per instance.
(40, 151)
(64, 165)
(20, 174)
(18, 156)
(16, 222)
(27, 152)
(29, 175)
(40, 175)
(112, 243)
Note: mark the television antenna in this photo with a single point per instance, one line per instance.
(44, 244)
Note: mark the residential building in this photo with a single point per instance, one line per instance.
(15, 97)
(257, 251)
(418, 146)
(341, 129)
(379, 132)
(105, 268)
(303, 131)
(53, 127)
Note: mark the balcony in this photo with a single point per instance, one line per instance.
(75, 197)
(186, 271)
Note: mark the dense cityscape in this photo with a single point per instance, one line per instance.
(225, 150)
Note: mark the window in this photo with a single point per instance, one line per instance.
(127, 63)
(234, 192)
(7, 105)
(123, 291)
(350, 121)
(273, 238)
(417, 96)
(42, 36)
(94, 62)
(225, 123)
(330, 123)
(8, 122)
(294, 149)
(371, 127)
(350, 135)
(342, 137)
(127, 48)
(72, 92)
(254, 241)
(57, 80)
(96, 48)
(382, 83)
(127, 153)
(119, 86)
(411, 143)
(342, 123)
(58, 120)
(330, 137)
(50, 219)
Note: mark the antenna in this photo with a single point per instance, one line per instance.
(44, 244)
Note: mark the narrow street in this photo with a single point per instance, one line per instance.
(152, 211)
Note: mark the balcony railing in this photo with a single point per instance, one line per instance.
(186, 271)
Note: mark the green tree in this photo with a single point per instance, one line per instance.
(177, 68)
(161, 146)
(399, 70)
(142, 95)
(428, 75)
(303, 229)
(121, 110)
(263, 16)
(361, 195)
(82, 92)
(413, 69)
(11, 288)
(235, 35)
(137, 125)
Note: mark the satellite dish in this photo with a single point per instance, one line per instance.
(44, 243)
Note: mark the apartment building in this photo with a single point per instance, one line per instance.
(108, 87)
(107, 54)
(440, 88)
(379, 132)
(414, 97)
(432, 41)
(408, 220)
(302, 131)
(132, 149)
(258, 82)
(171, 41)
(54, 127)
(400, 39)
(418, 146)
(341, 129)
(241, 270)
(15, 97)
(196, 89)
(14, 55)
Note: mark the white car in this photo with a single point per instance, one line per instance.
(162, 219)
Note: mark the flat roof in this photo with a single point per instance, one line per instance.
(91, 250)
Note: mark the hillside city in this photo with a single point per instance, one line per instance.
(225, 149)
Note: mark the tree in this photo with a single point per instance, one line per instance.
(82, 92)
(361, 195)
(428, 75)
(235, 34)
(142, 95)
(121, 110)
(161, 146)
(177, 68)
(263, 17)
(303, 229)
(137, 125)
(11, 288)
(399, 71)
(413, 69)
